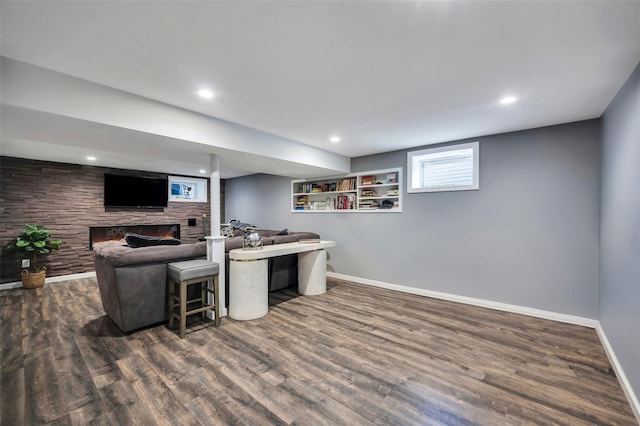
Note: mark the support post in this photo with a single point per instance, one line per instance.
(214, 190)
(215, 242)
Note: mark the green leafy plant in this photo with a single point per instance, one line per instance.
(34, 241)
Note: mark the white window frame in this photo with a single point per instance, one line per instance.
(414, 177)
(198, 189)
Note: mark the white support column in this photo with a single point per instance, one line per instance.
(215, 242)
(214, 189)
(215, 252)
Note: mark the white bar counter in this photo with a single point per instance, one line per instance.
(249, 280)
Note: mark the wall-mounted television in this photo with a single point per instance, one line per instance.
(135, 191)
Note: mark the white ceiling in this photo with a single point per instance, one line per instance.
(384, 75)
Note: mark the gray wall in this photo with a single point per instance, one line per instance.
(620, 228)
(528, 237)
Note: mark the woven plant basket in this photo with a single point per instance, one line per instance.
(33, 279)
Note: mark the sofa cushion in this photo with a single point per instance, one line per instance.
(127, 256)
(236, 242)
(264, 233)
(292, 237)
(233, 243)
(139, 240)
(227, 231)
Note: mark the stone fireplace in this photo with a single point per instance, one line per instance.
(114, 235)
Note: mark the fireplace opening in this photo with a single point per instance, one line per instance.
(114, 235)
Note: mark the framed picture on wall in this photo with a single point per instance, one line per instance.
(187, 189)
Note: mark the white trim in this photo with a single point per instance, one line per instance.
(538, 313)
(198, 186)
(215, 253)
(414, 174)
(7, 286)
(617, 368)
(18, 284)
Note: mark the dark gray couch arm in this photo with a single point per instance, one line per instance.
(133, 282)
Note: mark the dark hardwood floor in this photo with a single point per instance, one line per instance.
(355, 355)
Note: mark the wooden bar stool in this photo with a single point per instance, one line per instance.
(183, 274)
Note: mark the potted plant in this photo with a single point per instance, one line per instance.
(34, 241)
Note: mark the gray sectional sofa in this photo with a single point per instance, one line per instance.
(133, 283)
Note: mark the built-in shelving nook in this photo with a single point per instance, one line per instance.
(378, 191)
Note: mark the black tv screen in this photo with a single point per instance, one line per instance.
(135, 191)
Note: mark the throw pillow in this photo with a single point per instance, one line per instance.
(285, 231)
(138, 240)
(243, 226)
(227, 231)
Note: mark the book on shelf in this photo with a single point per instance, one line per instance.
(348, 184)
(301, 202)
(345, 202)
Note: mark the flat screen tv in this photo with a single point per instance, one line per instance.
(135, 191)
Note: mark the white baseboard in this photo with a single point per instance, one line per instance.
(18, 284)
(617, 368)
(538, 313)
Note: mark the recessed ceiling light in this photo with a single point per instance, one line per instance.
(335, 139)
(205, 93)
(203, 171)
(508, 100)
(91, 158)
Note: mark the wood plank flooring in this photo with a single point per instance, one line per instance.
(356, 355)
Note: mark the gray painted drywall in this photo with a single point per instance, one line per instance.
(529, 236)
(620, 228)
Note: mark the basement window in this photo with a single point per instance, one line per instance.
(447, 168)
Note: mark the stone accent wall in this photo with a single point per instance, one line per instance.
(68, 199)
